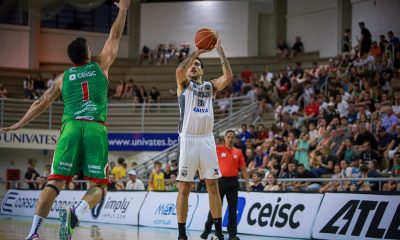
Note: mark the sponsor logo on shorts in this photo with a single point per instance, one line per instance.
(216, 172)
(183, 172)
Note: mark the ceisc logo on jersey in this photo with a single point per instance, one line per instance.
(72, 77)
(223, 154)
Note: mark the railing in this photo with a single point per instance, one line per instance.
(281, 181)
(126, 116)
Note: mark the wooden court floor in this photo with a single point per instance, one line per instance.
(16, 228)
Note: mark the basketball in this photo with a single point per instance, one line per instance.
(205, 39)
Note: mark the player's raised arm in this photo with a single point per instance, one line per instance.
(110, 50)
(226, 78)
(39, 105)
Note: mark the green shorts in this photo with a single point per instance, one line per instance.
(83, 145)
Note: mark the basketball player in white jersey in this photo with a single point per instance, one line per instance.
(196, 140)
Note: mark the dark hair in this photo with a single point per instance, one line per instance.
(157, 163)
(390, 33)
(361, 23)
(300, 165)
(347, 30)
(78, 51)
(230, 131)
(121, 160)
(201, 63)
(364, 168)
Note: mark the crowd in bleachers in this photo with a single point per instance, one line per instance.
(164, 53)
(334, 121)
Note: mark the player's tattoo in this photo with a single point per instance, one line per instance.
(40, 100)
(224, 61)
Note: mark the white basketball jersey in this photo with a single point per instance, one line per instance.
(196, 109)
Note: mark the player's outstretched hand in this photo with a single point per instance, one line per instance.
(123, 4)
(8, 129)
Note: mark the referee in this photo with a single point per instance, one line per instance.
(230, 160)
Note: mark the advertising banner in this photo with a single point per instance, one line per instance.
(358, 216)
(117, 207)
(159, 210)
(141, 141)
(267, 214)
(30, 139)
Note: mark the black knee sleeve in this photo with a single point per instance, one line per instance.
(54, 188)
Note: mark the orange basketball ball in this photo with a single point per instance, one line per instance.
(205, 39)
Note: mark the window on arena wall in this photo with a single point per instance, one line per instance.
(72, 17)
(13, 12)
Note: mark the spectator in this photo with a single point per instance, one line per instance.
(365, 40)
(260, 160)
(346, 45)
(301, 148)
(183, 52)
(291, 107)
(247, 75)
(394, 42)
(50, 82)
(333, 185)
(112, 166)
(155, 97)
(321, 164)
(282, 49)
(390, 120)
(145, 53)
(130, 89)
(28, 88)
(134, 183)
(237, 85)
(305, 186)
(383, 43)
(297, 47)
(3, 91)
(346, 150)
(375, 50)
(367, 153)
(395, 172)
(47, 170)
(256, 185)
(171, 53)
(30, 175)
(373, 173)
(365, 135)
(141, 95)
(161, 52)
(172, 183)
(272, 183)
(40, 182)
(39, 86)
(113, 185)
(156, 179)
(119, 90)
(291, 173)
(244, 135)
(119, 171)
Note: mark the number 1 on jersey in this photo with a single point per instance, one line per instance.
(85, 91)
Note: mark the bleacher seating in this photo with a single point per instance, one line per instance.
(152, 75)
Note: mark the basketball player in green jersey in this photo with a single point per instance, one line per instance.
(83, 143)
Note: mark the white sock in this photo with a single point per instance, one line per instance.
(81, 209)
(37, 222)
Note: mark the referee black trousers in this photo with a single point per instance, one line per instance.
(229, 187)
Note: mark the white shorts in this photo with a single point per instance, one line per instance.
(197, 153)
(392, 152)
